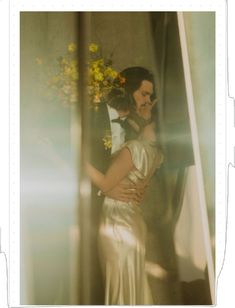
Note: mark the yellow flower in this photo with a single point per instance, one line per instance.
(93, 47)
(107, 144)
(72, 47)
(100, 62)
(107, 140)
(39, 61)
(107, 71)
(113, 74)
(95, 64)
(110, 72)
(96, 70)
(99, 76)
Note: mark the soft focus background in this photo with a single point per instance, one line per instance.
(51, 143)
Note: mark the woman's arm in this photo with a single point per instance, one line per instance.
(116, 172)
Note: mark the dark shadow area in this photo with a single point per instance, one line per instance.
(195, 292)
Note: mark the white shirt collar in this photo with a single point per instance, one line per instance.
(117, 132)
(113, 114)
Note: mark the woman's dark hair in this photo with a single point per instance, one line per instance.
(128, 81)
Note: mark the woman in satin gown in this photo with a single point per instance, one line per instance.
(122, 232)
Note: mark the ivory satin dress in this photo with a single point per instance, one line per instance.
(122, 237)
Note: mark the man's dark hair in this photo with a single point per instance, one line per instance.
(134, 77)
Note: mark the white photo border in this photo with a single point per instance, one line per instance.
(219, 7)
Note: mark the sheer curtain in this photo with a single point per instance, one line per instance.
(48, 165)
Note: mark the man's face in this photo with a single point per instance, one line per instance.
(142, 98)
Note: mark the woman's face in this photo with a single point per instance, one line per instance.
(142, 97)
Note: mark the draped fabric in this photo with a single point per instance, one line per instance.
(122, 237)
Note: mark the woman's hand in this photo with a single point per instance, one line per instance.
(144, 111)
(128, 192)
(125, 193)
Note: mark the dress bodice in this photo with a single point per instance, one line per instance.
(146, 158)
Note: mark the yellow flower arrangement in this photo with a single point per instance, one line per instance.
(101, 75)
(63, 78)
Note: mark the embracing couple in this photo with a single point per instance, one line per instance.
(120, 172)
